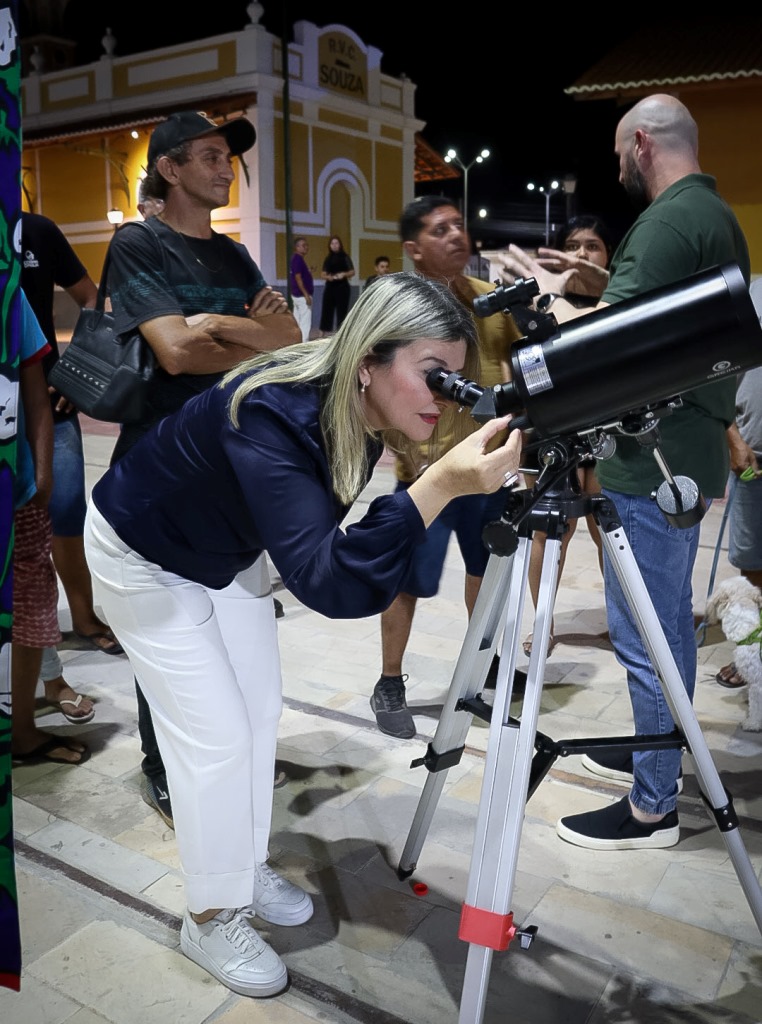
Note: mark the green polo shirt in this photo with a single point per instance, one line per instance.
(688, 228)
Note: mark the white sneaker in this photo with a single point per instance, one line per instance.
(277, 900)
(234, 953)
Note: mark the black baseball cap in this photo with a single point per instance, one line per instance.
(239, 133)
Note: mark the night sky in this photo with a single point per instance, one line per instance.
(496, 82)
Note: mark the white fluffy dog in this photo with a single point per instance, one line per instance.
(736, 605)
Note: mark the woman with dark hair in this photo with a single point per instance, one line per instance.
(269, 462)
(584, 244)
(337, 272)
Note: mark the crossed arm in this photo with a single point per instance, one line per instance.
(212, 343)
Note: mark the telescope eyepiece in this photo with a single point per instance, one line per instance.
(453, 386)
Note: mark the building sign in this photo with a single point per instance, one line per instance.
(342, 65)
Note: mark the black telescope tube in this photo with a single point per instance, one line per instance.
(602, 365)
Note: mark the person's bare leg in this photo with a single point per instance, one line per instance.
(595, 533)
(754, 576)
(396, 623)
(536, 557)
(25, 736)
(471, 592)
(590, 485)
(388, 701)
(205, 916)
(71, 566)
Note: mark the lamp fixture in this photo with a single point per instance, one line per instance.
(451, 156)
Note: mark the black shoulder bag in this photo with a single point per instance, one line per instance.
(103, 374)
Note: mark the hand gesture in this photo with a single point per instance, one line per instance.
(586, 278)
(518, 263)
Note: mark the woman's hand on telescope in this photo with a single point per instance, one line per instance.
(587, 278)
(516, 263)
(468, 468)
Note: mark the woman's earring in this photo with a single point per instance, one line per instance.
(363, 388)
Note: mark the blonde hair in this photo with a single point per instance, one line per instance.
(398, 310)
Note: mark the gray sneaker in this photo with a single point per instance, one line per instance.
(234, 953)
(390, 707)
(277, 900)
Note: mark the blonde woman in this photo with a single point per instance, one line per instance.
(270, 461)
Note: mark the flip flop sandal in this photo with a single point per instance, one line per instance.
(93, 638)
(45, 753)
(730, 677)
(527, 645)
(73, 704)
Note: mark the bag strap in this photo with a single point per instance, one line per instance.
(100, 301)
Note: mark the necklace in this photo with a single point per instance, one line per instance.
(196, 246)
(206, 246)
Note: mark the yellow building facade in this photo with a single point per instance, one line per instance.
(335, 151)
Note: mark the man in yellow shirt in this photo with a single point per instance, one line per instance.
(435, 238)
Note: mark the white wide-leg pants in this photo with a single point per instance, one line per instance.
(208, 664)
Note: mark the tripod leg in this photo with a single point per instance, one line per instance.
(486, 923)
(498, 589)
(627, 571)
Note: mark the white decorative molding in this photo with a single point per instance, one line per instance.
(71, 88)
(190, 64)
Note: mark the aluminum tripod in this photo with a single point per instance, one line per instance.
(517, 757)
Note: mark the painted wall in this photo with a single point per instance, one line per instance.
(730, 148)
(351, 142)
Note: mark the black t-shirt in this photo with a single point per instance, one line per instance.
(47, 260)
(164, 273)
(337, 263)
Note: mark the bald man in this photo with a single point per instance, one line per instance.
(685, 227)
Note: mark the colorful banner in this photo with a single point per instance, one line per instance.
(10, 270)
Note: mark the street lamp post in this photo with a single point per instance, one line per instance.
(568, 185)
(548, 192)
(452, 157)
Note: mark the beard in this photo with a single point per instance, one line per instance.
(634, 185)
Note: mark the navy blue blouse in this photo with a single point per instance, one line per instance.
(203, 499)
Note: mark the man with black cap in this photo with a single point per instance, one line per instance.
(197, 296)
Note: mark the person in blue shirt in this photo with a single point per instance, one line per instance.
(269, 462)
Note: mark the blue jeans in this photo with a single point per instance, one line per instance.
(665, 556)
(68, 503)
